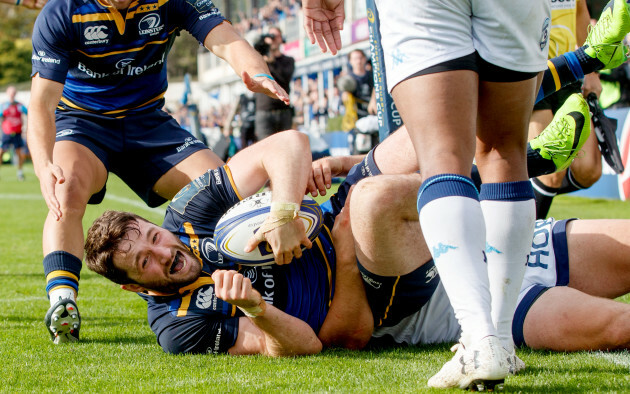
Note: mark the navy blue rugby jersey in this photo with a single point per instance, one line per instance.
(195, 320)
(114, 62)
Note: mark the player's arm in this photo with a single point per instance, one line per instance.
(268, 330)
(45, 95)
(284, 159)
(323, 22)
(325, 169)
(225, 42)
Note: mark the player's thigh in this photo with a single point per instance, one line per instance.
(565, 319)
(439, 111)
(503, 121)
(185, 171)
(85, 174)
(385, 224)
(598, 256)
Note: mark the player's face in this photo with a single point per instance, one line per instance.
(156, 260)
(357, 61)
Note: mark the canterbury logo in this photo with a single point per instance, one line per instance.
(95, 33)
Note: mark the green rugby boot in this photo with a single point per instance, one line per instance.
(604, 41)
(564, 137)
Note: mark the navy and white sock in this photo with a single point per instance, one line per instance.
(62, 270)
(509, 211)
(453, 226)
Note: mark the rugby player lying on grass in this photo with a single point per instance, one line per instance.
(196, 306)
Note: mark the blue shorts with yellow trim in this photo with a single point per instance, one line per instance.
(392, 298)
(138, 148)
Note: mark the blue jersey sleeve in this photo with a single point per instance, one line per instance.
(52, 42)
(198, 17)
(193, 333)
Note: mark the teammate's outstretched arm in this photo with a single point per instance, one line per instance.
(225, 42)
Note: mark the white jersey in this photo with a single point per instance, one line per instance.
(417, 34)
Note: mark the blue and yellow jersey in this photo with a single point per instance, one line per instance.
(195, 320)
(114, 62)
(562, 36)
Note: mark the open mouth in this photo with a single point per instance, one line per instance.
(179, 262)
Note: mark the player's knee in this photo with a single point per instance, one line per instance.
(617, 333)
(295, 138)
(372, 195)
(73, 196)
(588, 176)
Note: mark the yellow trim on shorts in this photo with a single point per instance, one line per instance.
(328, 269)
(58, 273)
(554, 73)
(391, 301)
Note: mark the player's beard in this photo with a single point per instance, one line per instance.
(176, 282)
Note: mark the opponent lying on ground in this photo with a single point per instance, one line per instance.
(182, 281)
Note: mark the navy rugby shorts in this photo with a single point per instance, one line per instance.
(139, 148)
(392, 298)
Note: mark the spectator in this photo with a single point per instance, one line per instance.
(273, 115)
(13, 113)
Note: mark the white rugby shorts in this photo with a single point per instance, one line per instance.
(417, 34)
(548, 266)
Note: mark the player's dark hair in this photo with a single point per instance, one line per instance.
(103, 242)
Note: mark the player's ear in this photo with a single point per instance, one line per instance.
(133, 288)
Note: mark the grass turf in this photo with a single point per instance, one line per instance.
(118, 351)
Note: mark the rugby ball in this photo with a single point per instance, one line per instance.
(241, 222)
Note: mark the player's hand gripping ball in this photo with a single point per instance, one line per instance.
(244, 219)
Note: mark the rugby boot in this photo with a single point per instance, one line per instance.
(565, 136)
(604, 41)
(480, 367)
(605, 129)
(63, 321)
(515, 363)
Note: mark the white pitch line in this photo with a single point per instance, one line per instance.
(619, 358)
(134, 203)
(13, 196)
(108, 196)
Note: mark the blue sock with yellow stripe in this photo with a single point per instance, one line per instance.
(62, 270)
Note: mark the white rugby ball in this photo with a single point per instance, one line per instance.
(240, 223)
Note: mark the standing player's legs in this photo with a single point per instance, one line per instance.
(584, 315)
(431, 65)
(84, 175)
(507, 198)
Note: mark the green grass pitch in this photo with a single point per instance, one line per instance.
(118, 352)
